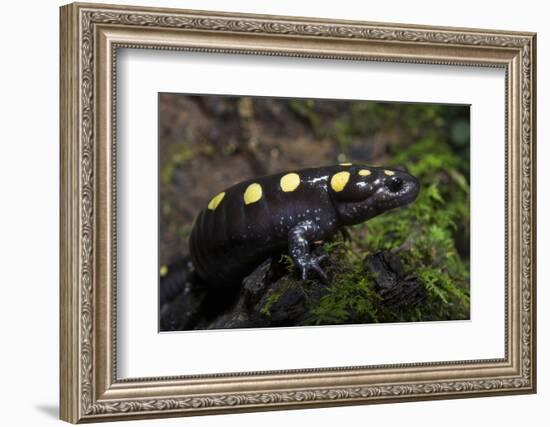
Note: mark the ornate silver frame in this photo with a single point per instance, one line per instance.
(90, 36)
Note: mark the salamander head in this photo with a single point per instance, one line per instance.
(363, 192)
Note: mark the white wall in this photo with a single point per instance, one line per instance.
(29, 169)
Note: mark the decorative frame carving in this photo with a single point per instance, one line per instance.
(90, 36)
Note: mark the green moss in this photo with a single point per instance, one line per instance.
(426, 236)
(351, 297)
(426, 233)
(271, 300)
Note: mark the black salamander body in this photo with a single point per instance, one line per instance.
(257, 218)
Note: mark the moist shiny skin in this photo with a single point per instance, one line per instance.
(286, 212)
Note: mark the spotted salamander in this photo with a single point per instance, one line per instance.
(264, 216)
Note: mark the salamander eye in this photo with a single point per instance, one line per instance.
(394, 184)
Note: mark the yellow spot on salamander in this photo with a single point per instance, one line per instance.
(216, 200)
(339, 181)
(253, 193)
(364, 172)
(345, 164)
(389, 173)
(163, 270)
(290, 182)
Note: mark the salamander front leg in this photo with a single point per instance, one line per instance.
(299, 238)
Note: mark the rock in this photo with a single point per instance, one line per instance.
(396, 289)
(270, 296)
(187, 303)
(249, 311)
(183, 312)
(242, 313)
(178, 276)
(288, 309)
(254, 284)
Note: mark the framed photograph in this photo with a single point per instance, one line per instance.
(266, 212)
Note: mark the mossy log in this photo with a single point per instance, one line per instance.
(272, 296)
